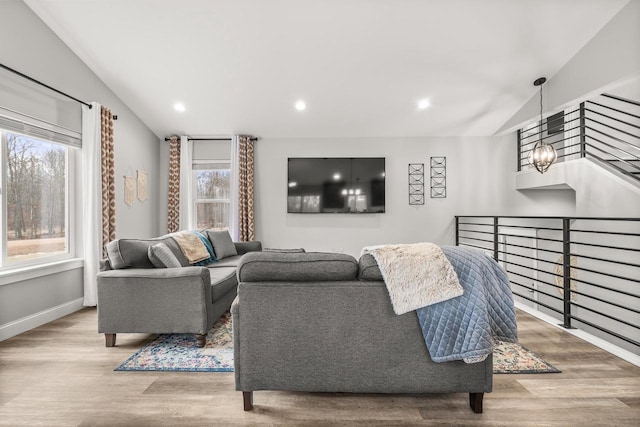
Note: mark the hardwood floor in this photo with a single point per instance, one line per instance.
(61, 374)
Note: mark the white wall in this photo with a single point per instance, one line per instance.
(611, 58)
(480, 181)
(30, 47)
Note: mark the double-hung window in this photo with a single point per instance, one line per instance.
(37, 167)
(212, 193)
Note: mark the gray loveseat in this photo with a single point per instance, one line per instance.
(134, 295)
(323, 322)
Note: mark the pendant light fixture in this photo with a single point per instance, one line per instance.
(543, 155)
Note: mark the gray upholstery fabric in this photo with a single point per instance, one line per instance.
(223, 280)
(167, 300)
(294, 250)
(244, 247)
(104, 265)
(338, 337)
(222, 244)
(133, 253)
(299, 267)
(368, 268)
(231, 261)
(161, 256)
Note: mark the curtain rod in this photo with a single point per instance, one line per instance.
(43, 84)
(211, 139)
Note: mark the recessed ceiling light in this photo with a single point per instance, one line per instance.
(300, 105)
(336, 176)
(293, 184)
(179, 106)
(423, 104)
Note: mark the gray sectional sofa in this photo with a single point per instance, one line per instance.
(134, 295)
(321, 322)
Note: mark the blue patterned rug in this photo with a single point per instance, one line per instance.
(178, 352)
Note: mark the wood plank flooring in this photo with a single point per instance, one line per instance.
(61, 374)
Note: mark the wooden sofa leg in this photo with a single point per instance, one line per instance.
(475, 401)
(247, 397)
(202, 338)
(110, 340)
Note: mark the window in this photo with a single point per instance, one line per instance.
(35, 198)
(212, 194)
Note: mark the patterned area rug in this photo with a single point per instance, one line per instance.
(178, 352)
(513, 358)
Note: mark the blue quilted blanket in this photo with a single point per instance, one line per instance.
(465, 327)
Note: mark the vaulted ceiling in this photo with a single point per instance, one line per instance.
(361, 66)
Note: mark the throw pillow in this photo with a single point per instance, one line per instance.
(222, 244)
(161, 256)
(207, 244)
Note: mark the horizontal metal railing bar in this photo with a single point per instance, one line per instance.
(538, 291)
(617, 233)
(545, 122)
(575, 304)
(595, 245)
(530, 268)
(621, 99)
(618, 168)
(608, 107)
(475, 231)
(538, 302)
(615, 276)
(617, 291)
(475, 223)
(614, 119)
(624, 307)
(478, 240)
(554, 137)
(608, 331)
(537, 238)
(630, 264)
(532, 278)
(527, 257)
(475, 246)
(626, 161)
(558, 149)
(594, 218)
(529, 227)
(622, 141)
(529, 247)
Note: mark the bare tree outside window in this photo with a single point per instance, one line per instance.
(36, 216)
(212, 195)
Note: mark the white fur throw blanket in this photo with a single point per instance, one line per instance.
(417, 275)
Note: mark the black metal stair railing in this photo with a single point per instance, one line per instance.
(585, 272)
(606, 129)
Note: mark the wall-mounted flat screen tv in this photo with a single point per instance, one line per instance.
(336, 185)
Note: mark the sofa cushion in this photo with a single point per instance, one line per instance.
(223, 280)
(231, 261)
(133, 253)
(161, 256)
(222, 244)
(368, 268)
(296, 267)
(293, 250)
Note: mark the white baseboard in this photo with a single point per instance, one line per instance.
(598, 342)
(27, 323)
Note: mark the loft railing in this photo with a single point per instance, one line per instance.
(606, 129)
(585, 272)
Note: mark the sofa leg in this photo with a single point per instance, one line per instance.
(475, 401)
(110, 340)
(202, 338)
(247, 397)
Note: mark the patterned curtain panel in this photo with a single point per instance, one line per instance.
(173, 213)
(246, 231)
(108, 178)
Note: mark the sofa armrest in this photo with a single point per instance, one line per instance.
(244, 247)
(162, 300)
